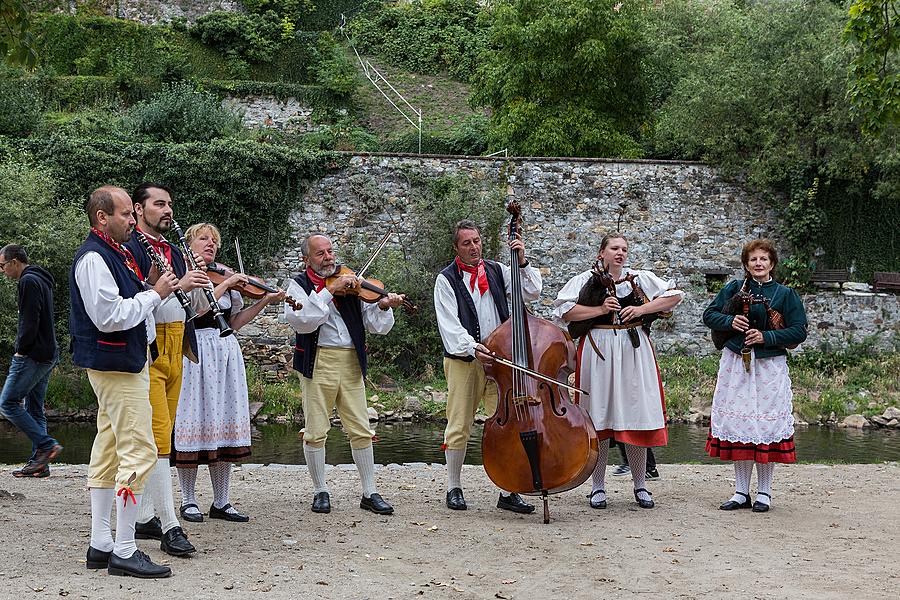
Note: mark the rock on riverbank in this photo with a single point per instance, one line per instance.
(830, 534)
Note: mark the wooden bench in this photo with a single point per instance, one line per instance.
(886, 281)
(838, 276)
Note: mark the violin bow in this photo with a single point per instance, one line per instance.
(530, 372)
(237, 250)
(374, 254)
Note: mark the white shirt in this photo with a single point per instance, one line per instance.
(170, 310)
(456, 339)
(107, 309)
(319, 311)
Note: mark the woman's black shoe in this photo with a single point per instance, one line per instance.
(223, 513)
(643, 503)
(732, 505)
(137, 565)
(597, 503)
(760, 506)
(196, 517)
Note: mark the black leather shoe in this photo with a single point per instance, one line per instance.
(151, 530)
(175, 543)
(732, 505)
(376, 504)
(597, 503)
(514, 503)
(97, 559)
(321, 503)
(223, 513)
(138, 565)
(192, 517)
(760, 506)
(455, 500)
(643, 503)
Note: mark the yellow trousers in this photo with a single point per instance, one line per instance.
(165, 383)
(337, 381)
(467, 388)
(123, 447)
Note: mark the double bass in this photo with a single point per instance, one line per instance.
(539, 441)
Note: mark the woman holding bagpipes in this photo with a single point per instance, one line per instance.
(753, 321)
(610, 308)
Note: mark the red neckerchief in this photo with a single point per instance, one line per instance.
(161, 246)
(476, 273)
(317, 281)
(129, 258)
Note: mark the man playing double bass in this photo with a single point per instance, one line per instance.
(471, 299)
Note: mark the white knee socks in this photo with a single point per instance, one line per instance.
(743, 470)
(315, 462)
(598, 480)
(159, 494)
(187, 480)
(365, 464)
(220, 476)
(765, 472)
(101, 505)
(637, 460)
(126, 517)
(455, 459)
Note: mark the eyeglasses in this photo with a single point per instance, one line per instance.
(3, 264)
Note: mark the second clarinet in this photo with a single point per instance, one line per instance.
(224, 329)
(162, 267)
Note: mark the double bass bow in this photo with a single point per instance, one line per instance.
(539, 441)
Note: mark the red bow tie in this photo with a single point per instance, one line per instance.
(476, 273)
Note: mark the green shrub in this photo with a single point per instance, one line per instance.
(468, 138)
(20, 107)
(180, 113)
(252, 37)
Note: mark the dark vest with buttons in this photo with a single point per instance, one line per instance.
(468, 318)
(305, 345)
(180, 268)
(124, 351)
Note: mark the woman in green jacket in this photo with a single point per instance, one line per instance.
(752, 415)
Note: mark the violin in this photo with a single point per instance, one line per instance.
(254, 288)
(539, 441)
(369, 290)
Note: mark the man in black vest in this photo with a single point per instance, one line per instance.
(174, 338)
(22, 399)
(111, 324)
(471, 299)
(330, 356)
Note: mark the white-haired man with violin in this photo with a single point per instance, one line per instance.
(330, 356)
(471, 299)
(153, 209)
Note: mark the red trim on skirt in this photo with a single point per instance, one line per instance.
(780, 452)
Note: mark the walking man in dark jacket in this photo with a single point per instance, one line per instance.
(22, 399)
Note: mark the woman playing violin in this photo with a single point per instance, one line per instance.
(212, 424)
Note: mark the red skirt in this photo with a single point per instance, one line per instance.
(780, 452)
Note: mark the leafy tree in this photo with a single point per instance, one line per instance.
(874, 31)
(16, 41)
(564, 78)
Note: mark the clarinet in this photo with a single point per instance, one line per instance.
(224, 329)
(161, 266)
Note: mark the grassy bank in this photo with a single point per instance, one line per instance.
(841, 383)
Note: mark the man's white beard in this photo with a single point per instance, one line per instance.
(328, 272)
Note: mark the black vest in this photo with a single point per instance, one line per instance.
(305, 345)
(124, 351)
(180, 268)
(465, 307)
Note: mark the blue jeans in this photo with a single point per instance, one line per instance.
(22, 399)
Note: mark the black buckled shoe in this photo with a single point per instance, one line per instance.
(138, 565)
(175, 543)
(97, 559)
(455, 500)
(196, 517)
(760, 506)
(514, 503)
(732, 505)
(376, 504)
(600, 504)
(643, 503)
(223, 513)
(321, 503)
(151, 530)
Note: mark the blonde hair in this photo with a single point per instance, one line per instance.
(194, 231)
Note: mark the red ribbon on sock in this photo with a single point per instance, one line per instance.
(125, 492)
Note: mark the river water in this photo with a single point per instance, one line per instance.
(420, 442)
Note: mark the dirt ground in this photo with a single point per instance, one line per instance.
(832, 533)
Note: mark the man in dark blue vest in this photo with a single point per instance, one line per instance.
(111, 324)
(330, 356)
(471, 299)
(153, 209)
